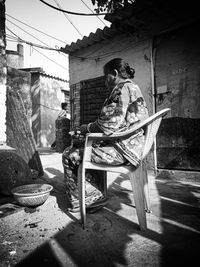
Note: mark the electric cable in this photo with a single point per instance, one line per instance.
(93, 12)
(50, 59)
(67, 17)
(36, 29)
(19, 39)
(28, 33)
(73, 13)
(32, 44)
(96, 58)
(35, 38)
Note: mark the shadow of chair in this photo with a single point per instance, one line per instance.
(137, 175)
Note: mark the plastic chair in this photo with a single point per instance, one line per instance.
(138, 176)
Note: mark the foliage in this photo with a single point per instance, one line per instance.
(110, 5)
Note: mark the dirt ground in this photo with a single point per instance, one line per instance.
(50, 236)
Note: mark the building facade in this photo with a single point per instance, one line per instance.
(161, 43)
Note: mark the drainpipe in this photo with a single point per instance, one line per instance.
(153, 51)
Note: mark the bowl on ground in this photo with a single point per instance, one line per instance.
(32, 194)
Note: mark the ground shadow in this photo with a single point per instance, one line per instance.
(180, 213)
(101, 243)
(111, 240)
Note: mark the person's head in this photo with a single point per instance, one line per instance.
(64, 106)
(116, 70)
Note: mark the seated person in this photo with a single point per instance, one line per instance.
(124, 107)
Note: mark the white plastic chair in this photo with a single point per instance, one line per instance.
(138, 176)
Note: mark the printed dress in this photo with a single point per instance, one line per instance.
(121, 110)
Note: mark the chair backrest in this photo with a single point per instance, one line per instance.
(150, 124)
(152, 129)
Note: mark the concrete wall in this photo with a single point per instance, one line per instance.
(15, 59)
(46, 101)
(3, 72)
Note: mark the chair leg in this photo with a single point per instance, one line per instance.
(104, 183)
(81, 188)
(138, 194)
(144, 177)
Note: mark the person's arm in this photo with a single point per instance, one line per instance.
(62, 114)
(91, 127)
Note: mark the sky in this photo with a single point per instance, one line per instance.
(30, 19)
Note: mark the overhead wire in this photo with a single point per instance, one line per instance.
(50, 59)
(62, 50)
(28, 33)
(35, 29)
(67, 17)
(32, 45)
(50, 48)
(96, 58)
(73, 13)
(93, 12)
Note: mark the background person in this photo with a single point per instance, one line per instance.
(64, 111)
(62, 114)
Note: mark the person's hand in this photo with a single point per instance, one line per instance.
(83, 129)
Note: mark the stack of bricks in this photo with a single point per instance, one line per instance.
(93, 95)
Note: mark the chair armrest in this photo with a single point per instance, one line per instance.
(128, 133)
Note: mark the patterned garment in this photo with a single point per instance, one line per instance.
(124, 108)
(72, 157)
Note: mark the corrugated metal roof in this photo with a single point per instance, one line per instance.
(98, 36)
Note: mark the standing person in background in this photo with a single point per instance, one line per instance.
(64, 111)
(62, 114)
(124, 107)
